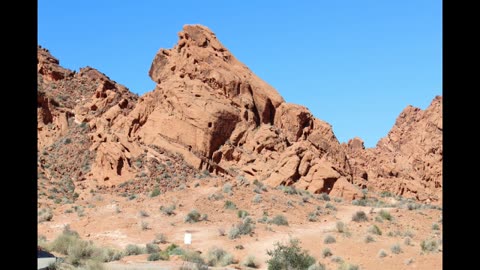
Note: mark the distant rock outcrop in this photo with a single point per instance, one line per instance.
(408, 161)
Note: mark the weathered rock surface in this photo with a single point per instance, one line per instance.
(208, 111)
(408, 161)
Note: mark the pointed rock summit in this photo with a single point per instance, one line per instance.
(211, 109)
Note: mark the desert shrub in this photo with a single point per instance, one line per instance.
(160, 238)
(330, 206)
(229, 205)
(326, 252)
(242, 213)
(152, 248)
(323, 197)
(133, 250)
(192, 256)
(340, 227)
(144, 226)
(155, 192)
(233, 233)
(396, 249)
(385, 194)
(218, 257)
(435, 227)
(369, 239)
(379, 219)
(62, 242)
(168, 210)
(359, 216)
(382, 253)
(317, 266)
(385, 215)
(375, 230)
(305, 198)
(192, 217)
(142, 213)
(413, 206)
(347, 266)
(337, 259)
(250, 261)
(429, 245)
(279, 220)
(215, 197)
(408, 233)
(329, 239)
(110, 255)
(44, 215)
(244, 227)
(289, 256)
(227, 188)
(407, 241)
(312, 217)
(257, 198)
(289, 190)
(361, 202)
(158, 256)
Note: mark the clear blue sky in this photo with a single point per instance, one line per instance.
(355, 64)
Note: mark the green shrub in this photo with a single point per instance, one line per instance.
(435, 227)
(155, 192)
(44, 215)
(192, 217)
(359, 216)
(382, 253)
(244, 227)
(192, 256)
(326, 252)
(144, 225)
(152, 248)
(133, 250)
(330, 206)
(396, 249)
(279, 220)
(385, 215)
(257, 198)
(312, 217)
(429, 245)
(230, 205)
(143, 214)
(317, 266)
(169, 210)
(329, 239)
(323, 197)
(407, 241)
(242, 213)
(218, 257)
(162, 255)
(374, 229)
(385, 194)
(369, 239)
(227, 188)
(215, 197)
(347, 266)
(340, 227)
(289, 190)
(289, 256)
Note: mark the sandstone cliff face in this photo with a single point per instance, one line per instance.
(408, 161)
(213, 110)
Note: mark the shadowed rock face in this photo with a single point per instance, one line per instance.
(408, 161)
(207, 108)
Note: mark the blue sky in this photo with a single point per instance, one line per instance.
(355, 64)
